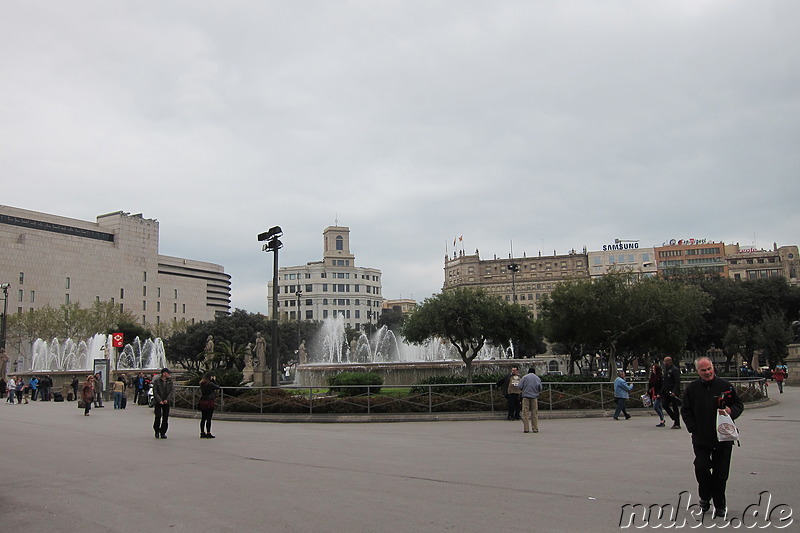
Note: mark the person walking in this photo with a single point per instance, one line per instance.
(671, 392)
(118, 388)
(163, 395)
(509, 386)
(87, 394)
(654, 386)
(11, 385)
(530, 387)
(702, 400)
(621, 390)
(208, 389)
(779, 374)
(98, 390)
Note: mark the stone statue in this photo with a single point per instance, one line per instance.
(261, 351)
(105, 351)
(209, 349)
(3, 363)
(248, 358)
(302, 354)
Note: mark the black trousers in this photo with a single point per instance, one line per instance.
(711, 468)
(161, 423)
(514, 406)
(673, 408)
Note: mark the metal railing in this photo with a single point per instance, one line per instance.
(370, 399)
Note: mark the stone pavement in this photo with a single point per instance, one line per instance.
(62, 471)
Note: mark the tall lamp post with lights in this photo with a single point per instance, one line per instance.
(514, 268)
(4, 287)
(273, 244)
(299, 293)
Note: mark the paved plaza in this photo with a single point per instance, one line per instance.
(62, 471)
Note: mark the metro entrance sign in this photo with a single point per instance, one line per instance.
(117, 340)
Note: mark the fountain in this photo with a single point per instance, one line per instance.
(71, 356)
(399, 362)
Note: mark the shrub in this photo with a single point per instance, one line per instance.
(343, 382)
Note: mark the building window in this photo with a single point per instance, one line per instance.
(21, 296)
(309, 302)
(21, 278)
(309, 288)
(158, 307)
(184, 312)
(144, 305)
(144, 290)
(66, 299)
(176, 294)
(144, 276)
(324, 287)
(339, 242)
(67, 283)
(122, 294)
(175, 308)
(158, 292)
(324, 313)
(33, 296)
(309, 315)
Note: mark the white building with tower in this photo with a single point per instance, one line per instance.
(330, 287)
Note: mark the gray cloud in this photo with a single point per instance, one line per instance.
(555, 125)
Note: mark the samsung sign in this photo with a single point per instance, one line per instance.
(621, 246)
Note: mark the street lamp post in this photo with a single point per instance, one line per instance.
(514, 268)
(273, 244)
(299, 293)
(5, 287)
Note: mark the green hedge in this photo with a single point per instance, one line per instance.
(342, 383)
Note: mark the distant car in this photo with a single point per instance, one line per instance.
(554, 373)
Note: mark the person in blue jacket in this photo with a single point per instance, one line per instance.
(621, 390)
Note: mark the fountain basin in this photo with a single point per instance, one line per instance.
(409, 373)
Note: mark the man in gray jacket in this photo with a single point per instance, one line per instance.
(530, 386)
(163, 396)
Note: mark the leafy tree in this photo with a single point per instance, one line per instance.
(622, 315)
(468, 319)
(392, 318)
(773, 336)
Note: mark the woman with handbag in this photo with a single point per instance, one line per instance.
(87, 394)
(653, 386)
(208, 389)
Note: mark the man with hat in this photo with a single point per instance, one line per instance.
(163, 395)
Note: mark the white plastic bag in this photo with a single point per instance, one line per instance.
(646, 400)
(726, 429)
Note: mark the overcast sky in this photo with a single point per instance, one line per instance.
(552, 125)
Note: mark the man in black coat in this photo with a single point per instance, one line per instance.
(702, 400)
(671, 392)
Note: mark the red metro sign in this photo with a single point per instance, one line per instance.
(116, 340)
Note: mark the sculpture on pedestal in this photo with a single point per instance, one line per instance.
(261, 351)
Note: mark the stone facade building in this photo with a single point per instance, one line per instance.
(749, 263)
(330, 287)
(524, 280)
(53, 260)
